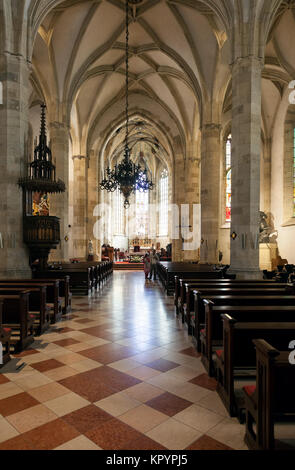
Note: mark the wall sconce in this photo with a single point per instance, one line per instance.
(234, 235)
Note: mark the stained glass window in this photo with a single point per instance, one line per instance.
(294, 177)
(118, 213)
(228, 180)
(163, 213)
(142, 213)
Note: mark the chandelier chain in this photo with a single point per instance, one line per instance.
(127, 74)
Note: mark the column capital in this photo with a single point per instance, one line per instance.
(248, 61)
(79, 157)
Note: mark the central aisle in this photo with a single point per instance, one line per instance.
(118, 373)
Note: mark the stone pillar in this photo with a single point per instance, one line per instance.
(93, 199)
(59, 203)
(192, 197)
(14, 75)
(210, 191)
(80, 206)
(246, 145)
(178, 199)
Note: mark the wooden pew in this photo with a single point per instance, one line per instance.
(212, 334)
(37, 304)
(271, 398)
(221, 297)
(5, 335)
(237, 360)
(80, 278)
(186, 301)
(52, 294)
(16, 316)
(179, 281)
(64, 287)
(168, 271)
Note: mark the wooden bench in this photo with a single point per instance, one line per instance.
(52, 294)
(80, 279)
(271, 399)
(186, 300)
(233, 297)
(16, 316)
(236, 361)
(37, 304)
(64, 287)
(211, 336)
(179, 282)
(5, 335)
(168, 271)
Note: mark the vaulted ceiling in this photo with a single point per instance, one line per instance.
(179, 58)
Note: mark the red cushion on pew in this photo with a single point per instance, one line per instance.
(219, 352)
(7, 330)
(250, 390)
(203, 331)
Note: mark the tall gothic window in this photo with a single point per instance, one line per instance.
(163, 212)
(228, 173)
(294, 176)
(142, 213)
(118, 213)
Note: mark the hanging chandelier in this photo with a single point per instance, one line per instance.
(126, 176)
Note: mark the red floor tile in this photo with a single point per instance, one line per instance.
(66, 342)
(108, 353)
(3, 379)
(16, 403)
(204, 381)
(44, 366)
(190, 352)
(207, 443)
(168, 404)
(27, 352)
(87, 418)
(113, 435)
(50, 435)
(16, 443)
(83, 320)
(88, 387)
(162, 365)
(143, 443)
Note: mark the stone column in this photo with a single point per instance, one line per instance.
(178, 199)
(192, 197)
(210, 190)
(246, 145)
(59, 203)
(80, 206)
(14, 75)
(93, 199)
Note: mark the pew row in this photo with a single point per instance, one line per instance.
(271, 399)
(16, 316)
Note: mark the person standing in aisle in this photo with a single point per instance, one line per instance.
(146, 265)
(154, 260)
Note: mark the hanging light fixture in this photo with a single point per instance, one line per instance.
(126, 176)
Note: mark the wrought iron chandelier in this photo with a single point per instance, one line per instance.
(126, 176)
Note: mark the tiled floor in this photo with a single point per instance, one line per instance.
(119, 372)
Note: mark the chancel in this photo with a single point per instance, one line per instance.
(147, 266)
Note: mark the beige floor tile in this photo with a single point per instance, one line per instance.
(34, 358)
(70, 358)
(143, 372)
(32, 381)
(31, 418)
(198, 418)
(48, 392)
(9, 389)
(66, 404)
(229, 432)
(60, 373)
(77, 347)
(118, 404)
(143, 392)
(178, 358)
(143, 418)
(85, 365)
(79, 443)
(213, 403)
(7, 431)
(125, 365)
(174, 435)
(96, 342)
(150, 356)
(188, 391)
(17, 374)
(164, 381)
(184, 372)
